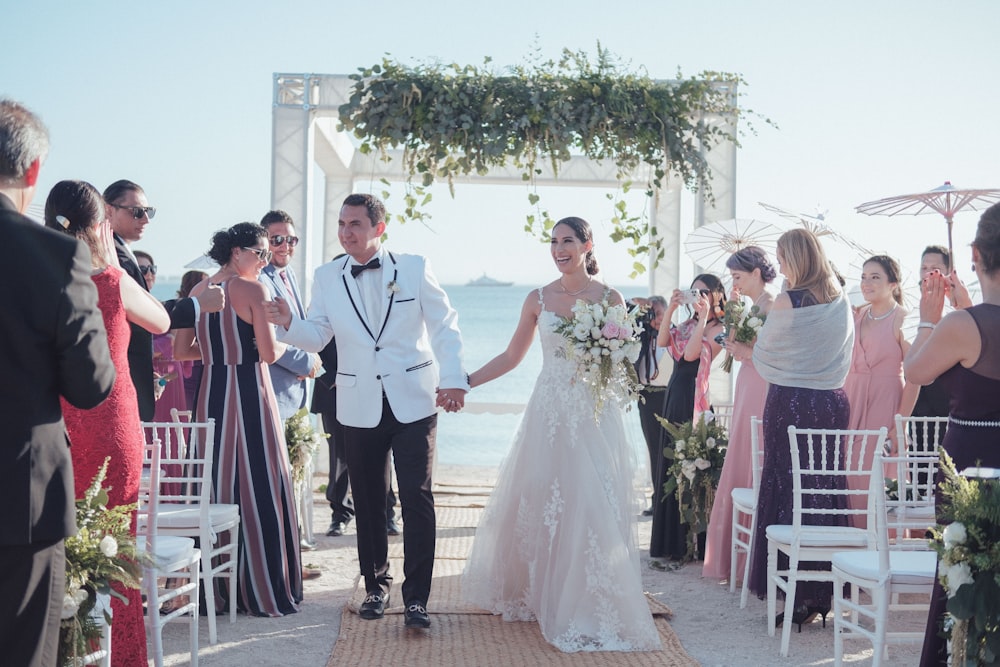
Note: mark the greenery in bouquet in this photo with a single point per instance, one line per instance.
(968, 546)
(302, 441)
(743, 322)
(603, 341)
(102, 553)
(697, 452)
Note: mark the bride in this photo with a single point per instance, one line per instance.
(557, 541)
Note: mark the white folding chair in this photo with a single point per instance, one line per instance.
(174, 558)
(745, 505)
(188, 510)
(827, 456)
(723, 414)
(101, 656)
(883, 574)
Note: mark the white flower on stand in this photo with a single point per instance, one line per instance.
(72, 602)
(108, 546)
(957, 576)
(954, 533)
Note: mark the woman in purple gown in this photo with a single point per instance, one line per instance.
(804, 352)
(962, 349)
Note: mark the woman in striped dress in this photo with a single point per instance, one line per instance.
(251, 466)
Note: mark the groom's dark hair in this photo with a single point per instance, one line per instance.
(376, 209)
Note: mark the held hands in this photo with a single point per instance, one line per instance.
(451, 400)
(278, 312)
(212, 299)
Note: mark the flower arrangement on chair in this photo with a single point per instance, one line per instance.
(968, 546)
(102, 552)
(697, 453)
(302, 440)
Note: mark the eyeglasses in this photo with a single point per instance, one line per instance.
(145, 269)
(262, 254)
(278, 239)
(139, 211)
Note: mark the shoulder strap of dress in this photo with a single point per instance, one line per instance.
(607, 292)
(541, 301)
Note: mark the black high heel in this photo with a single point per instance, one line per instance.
(820, 611)
(800, 615)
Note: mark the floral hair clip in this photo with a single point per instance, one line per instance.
(392, 287)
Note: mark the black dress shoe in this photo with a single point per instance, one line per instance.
(416, 616)
(391, 528)
(374, 606)
(336, 528)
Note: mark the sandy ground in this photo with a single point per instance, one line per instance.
(707, 617)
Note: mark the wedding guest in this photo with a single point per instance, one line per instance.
(804, 352)
(962, 351)
(111, 430)
(55, 344)
(556, 542)
(251, 458)
(692, 345)
(647, 369)
(193, 379)
(751, 272)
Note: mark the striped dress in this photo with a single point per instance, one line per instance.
(251, 467)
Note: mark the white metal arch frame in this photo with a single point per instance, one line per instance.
(304, 133)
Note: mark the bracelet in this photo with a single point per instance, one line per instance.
(926, 325)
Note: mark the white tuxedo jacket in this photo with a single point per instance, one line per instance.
(415, 349)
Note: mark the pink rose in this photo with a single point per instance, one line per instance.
(610, 330)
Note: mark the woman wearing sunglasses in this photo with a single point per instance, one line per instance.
(236, 391)
(693, 347)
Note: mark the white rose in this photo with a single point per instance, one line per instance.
(617, 356)
(108, 546)
(585, 320)
(710, 443)
(72, 602)
(595, 332)
(614, 344)
(688, 469)
(581, 331)
(702, 464)
(957, 575)
(632, 352)
(954, 533)
(754, 323)
(680, 445)
(595, 352)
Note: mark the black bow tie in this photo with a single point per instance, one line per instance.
(358, 269)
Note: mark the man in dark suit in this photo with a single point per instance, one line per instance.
(129, 213)
(52, 343)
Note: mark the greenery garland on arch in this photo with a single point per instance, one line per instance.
(453, 121)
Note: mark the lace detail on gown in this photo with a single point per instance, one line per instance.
(557, 541)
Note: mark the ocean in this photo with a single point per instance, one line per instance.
(481, 435)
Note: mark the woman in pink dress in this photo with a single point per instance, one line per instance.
(112, 429)
(751, 271)
(875, 386)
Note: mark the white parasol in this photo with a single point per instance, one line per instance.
(710, 245)
(202, 262)
(946, 200)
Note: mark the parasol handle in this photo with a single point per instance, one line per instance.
(951, 251)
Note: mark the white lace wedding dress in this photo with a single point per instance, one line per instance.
(557, 541)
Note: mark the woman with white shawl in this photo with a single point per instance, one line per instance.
(804, 352)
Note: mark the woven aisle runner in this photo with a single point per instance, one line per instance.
(463, 636)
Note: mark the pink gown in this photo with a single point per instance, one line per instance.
(874, 385)
(750, 394)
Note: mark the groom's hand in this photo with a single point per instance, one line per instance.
(278, 312)
(452, 400)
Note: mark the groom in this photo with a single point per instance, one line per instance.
(399, 356)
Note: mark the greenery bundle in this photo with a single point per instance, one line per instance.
(302, 441)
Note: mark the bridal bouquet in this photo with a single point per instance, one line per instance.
(603, 340)
(697, 453)
(969, 551)
(101, 553)
(745, 322)
(302, 441)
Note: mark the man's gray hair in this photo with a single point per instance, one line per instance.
(23, 139)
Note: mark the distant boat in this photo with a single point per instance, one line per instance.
(485, 281)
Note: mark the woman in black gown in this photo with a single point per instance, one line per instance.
(693, 347)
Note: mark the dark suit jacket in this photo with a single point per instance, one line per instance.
(324, 399)
(52, 343)
(140, 346)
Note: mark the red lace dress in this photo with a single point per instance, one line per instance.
(113, 429)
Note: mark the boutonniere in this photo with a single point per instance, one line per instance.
(392, 287)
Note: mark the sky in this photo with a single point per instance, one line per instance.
(870, 100)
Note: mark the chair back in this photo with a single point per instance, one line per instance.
(185, 459)
(920, 435)
(149, 495)
(822, 461)
(756, 451)
(723, 414)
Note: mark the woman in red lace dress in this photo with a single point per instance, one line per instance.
(112, 429)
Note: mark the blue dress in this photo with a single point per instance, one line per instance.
(805, 408)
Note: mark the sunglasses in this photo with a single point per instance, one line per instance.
(146, 269)
(278, 239)
(139, 211)
(262, 255)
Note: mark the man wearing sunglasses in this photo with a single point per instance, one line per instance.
(129, 212)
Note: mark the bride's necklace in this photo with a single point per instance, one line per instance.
(590, 279)
(874, 318)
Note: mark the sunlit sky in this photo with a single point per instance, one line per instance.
(871, 100)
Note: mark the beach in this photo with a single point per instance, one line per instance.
(706, 616)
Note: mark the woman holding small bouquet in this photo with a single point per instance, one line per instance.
(962, 348)
(557, 542)
(751, 271)
(693, 346)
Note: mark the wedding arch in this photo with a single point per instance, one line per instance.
(308, 121)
